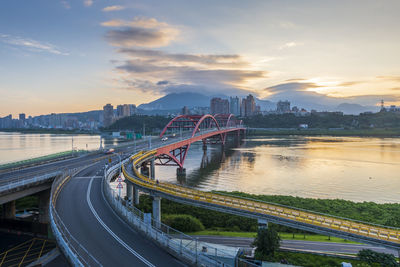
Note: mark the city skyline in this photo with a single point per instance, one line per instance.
(74, 56)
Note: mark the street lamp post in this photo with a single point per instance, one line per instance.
(120, 161)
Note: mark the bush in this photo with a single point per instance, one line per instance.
(267, 242)
(183, 223)
(371, 257)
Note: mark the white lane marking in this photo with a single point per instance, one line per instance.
(88, 177)
(119, 240)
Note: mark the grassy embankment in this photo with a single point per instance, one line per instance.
(42, 159)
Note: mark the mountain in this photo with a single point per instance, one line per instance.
(177, 101)
(174, 102)
(265, 105)
(348, 108)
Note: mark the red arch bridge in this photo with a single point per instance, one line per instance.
(192, 128)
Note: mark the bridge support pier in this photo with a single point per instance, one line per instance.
(144, 169)
(181, 172)
(9, 210)
(44, 202)
(152, 169)
(157, 211)
(129, 193)
(204, 145)
(136, 195)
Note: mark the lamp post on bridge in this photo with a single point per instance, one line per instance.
(120, 162)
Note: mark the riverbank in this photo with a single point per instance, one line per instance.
(50, 131)
(373, 132)
(213, 221)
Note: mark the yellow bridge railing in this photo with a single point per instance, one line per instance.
(344, 225)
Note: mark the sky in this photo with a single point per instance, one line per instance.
(70, 56)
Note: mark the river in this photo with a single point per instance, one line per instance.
(357, 169)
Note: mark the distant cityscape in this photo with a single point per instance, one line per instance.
(93, 120)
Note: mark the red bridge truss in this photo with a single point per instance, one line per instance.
(204, 127)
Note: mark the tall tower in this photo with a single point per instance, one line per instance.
(382, 105)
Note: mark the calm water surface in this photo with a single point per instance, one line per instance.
(18, 146)
(357, 169)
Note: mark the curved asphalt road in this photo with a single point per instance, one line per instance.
(323, 247)
(82, 207)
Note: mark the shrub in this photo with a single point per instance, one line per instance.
(371, 257)
(267, 242)
(183, 223)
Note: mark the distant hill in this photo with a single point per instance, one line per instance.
(265, 105)
(177, 101)
(355, 109)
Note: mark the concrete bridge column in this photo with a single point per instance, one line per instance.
(157, 211)
(181, 172)
(144, 169)
(152, 169)
(9, 210)
(129, 193)
(204, 144)
(136, 195)
(44, 202)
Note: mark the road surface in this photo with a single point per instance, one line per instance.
(326, 247)
(87, 215)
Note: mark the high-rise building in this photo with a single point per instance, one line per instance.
(219, 106)
(125, 110)
(234, 106)
(120, 110)
(283, 107)
(248, 106)
(132, 109)
(22, 116)
(185, 110)
(108, 115)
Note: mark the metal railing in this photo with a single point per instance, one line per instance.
(386, 235)
(72, 249)
(21, 182)
(183, 246)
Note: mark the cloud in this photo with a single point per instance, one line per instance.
(179, 58)
(88, 2)
(161, 71)
(162, 82)
(295, 80)
(290, 87)
(287, 25)
(113, 8)
(351, 83)
(141, 22)
(289, 45)
(389, 78)
(140, 32)
(31, 45)
(65, 4)
(148, 69)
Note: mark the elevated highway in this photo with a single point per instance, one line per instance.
(301, 219)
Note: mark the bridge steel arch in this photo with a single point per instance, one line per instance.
(175, 155)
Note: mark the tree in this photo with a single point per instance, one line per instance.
(266, 242)
(371, 257)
